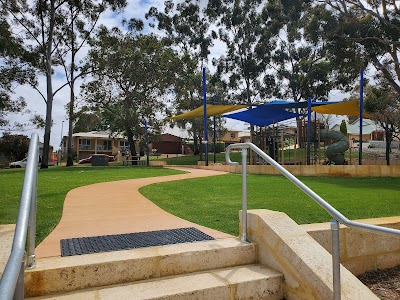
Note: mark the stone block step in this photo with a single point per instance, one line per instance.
(63, 274)
(243, 282)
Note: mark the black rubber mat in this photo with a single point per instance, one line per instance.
(107, 243)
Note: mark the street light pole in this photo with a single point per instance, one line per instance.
(230, 131)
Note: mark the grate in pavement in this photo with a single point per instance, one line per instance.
(107, 243)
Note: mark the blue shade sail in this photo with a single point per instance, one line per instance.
(262, 115)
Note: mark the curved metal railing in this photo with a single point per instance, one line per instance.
(12, 280)
(335, 214)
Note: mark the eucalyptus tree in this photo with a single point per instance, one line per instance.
(36, 22)
(242, 69)
(131, 75)
(74, 33)
(299, 54)
(245, 73)
(300, 57)
(188, 30)
(384, 103)
(366, 29)
(14, 70)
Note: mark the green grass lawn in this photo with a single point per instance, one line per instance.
(54, 183)
(193, 159)
(291, 155)
(215, 201)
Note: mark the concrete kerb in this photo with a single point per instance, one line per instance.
(307, 267)
(314, 170)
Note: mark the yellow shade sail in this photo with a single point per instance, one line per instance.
(212, 110)
(349, 108)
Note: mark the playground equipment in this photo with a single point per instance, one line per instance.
(340, 144)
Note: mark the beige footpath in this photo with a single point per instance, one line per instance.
(6, 239)
(116, 208)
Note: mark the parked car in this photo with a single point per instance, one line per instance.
(19, 164)
(89, 159)
(22, 163)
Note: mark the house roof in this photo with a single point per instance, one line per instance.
(167, 137)
(369, 126)
(98, 134)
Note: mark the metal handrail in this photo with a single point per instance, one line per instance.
(12, 280)
(336, 215)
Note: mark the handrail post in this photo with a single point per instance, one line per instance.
(338, 217)
(336, 259)
(31, 257)
(244, 195)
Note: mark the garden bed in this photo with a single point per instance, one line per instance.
(384, 283)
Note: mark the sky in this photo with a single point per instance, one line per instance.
(135, 9)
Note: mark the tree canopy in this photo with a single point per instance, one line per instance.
(14, 147)
(14, 71)
(361, 32)
(131, 74)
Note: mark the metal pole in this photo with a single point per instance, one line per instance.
(147, 142)
(308, 130)
(19, 287)
(244, 195)
(336, 259)
(205, 117)
(215, 132)
(329, 208)
(31, 257)
(9, 279)
(361, 116)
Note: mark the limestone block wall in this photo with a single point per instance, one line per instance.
(314, 170)
(360, 250)
(157, 163)
(307, 267)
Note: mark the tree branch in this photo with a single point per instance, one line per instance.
(21, 23)
(40, 93)
(386, 74)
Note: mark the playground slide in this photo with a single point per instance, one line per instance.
(340, 144)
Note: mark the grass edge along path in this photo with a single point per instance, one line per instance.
(53, 185)
(215, 201)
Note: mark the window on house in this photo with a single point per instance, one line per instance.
(124, 144)
(107, 145)
(84, 144)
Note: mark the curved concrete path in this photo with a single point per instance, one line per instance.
(117, 207)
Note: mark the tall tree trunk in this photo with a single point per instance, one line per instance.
(200, 148)
(49, 105)
(70, 159)
(132, 146)
(388, 143)
(195, 141)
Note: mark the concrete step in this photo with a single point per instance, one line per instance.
(64, 274)
(244, 282)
